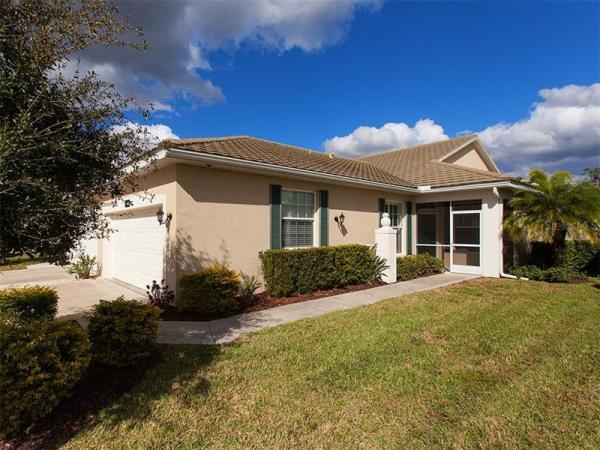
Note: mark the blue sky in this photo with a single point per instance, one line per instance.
(305, 73)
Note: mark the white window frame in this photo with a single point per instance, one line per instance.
(315, 217)
(401, 223)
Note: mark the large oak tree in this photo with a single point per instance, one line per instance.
(59, 152)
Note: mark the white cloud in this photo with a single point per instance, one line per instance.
(562, 130)
(152, 134)
(182, 35)
(364, 140)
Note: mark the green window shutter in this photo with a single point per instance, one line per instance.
(324, 217)
(409, 228)
(275, 199)
(380, 209)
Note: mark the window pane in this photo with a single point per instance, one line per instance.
(466, 256)
(297, 233)
(296, 204)
(399, 240)
(466, 229)
(426, 229)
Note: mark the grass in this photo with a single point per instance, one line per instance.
(20, 262)
(487, 363)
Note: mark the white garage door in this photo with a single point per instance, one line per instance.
(137, 248)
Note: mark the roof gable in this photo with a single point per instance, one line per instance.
(425, 165)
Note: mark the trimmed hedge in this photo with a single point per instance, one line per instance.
(39, 364)
(411, 267)
(123, 332)
(305, 270)
(210, 291)
(551, 275)
(30, 303)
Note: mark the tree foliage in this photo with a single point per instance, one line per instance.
(592, 174)
(557, 208)
(59, 152)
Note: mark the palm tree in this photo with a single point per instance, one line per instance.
(555, 209)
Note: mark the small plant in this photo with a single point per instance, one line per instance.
(379, 265)
(249, 287)
(123, 332)
(159, 294)
(83, 266)
(29, 303)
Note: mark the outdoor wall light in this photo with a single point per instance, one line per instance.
(160, 216)
(340, 219)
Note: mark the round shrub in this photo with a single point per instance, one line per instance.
(29, 303)
(410, 267)
(39, 364)
(123, 332)
(210, 291)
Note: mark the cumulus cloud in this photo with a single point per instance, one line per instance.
(561, 131)
(183, 34)
(364, 140)
(151, 134)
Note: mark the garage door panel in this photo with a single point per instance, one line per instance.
(138, 250)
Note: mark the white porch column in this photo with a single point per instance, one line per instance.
(491, 257)
(385, 239)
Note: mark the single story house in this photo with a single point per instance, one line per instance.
(225, 199)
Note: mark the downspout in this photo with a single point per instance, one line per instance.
(502, 273)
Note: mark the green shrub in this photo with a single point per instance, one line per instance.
(551, 275)
(29, 303)
(560, 275)
(411, 267)
(211, 291)
(305, 270)
(39, 364)
(531, 272)
(583, 256)
(123, 332)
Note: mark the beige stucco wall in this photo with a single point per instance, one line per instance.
(468, 157)
(224, 216)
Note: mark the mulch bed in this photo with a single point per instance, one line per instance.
(263, 301)
(99, 387)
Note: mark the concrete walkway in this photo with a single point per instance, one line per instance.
(75, 297)
(227, 330)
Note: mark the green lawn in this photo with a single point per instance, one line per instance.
(488, 363)
(20, 262)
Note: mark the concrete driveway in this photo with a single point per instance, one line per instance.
(75, 296)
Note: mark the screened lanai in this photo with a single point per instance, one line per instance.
(451, 231)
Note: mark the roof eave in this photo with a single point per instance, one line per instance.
(469, 187)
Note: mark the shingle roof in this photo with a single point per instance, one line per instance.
(408, 167)
(420, 165)
(259, 150)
